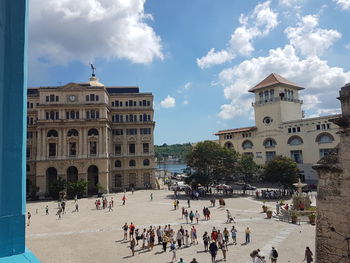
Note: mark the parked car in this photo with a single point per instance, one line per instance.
(223, 187)
(248, 187)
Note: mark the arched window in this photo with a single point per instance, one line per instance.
(247, 144)
(269, 142)
(72, 132)
(324, 137)
(146, 162)
(52, 133)
(92, 131)
(118, 163)
(132, 163)
(295, 140)
(228, 145)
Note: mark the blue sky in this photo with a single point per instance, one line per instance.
(197, 57)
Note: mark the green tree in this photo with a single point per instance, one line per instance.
(281, 170)
(211, 163)
(77, 188)
(247, 167)
(56, 187)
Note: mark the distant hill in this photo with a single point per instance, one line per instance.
(172, 152)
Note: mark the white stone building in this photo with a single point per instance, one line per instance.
(281, 129)
(88, 131)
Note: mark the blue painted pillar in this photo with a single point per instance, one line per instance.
(13, 97)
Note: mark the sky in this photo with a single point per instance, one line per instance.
(198, 57)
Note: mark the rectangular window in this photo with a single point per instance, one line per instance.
(131, 131)
(323, 126)
(52, 149)
(298, 129)
(47, 98)
(121, 104)
(117, 131)
(97, 114)
(57, 115)
(130, 103)
(318, 127)
(117, 103)
(132, 148)
(140, 103)
(57, 98)
(92, 97)
(144, 103)
(117, 149)
(324, 152)
(72, 149)
(87, 114)
(270, 156)
(297, 156)
(118, 180)
(126, 104)
(294, 130)
(145, 147)
(87, 98)
(67, 115)
(258, 155)
(328, 126)
(289, 130)
(77, 115)
(47, 115)
(93, 148)
(97, 98)
(52, 98)
(145, 130)
(113, 104)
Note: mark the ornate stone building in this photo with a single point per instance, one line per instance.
(281, 129)
(333, 194)
(88, 131)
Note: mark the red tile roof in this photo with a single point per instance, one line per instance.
(273, 79)
(237, 130)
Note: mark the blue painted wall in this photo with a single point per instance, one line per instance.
(13, 82)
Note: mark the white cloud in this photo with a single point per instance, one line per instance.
(343, 4)
(185, 88)
(309, 39)
(325, 112)
(310, 101)
(62, 31)
(168, 102)
(291, 3)
(258, 24)
(186, 102)
(214, 58)
(313, 73)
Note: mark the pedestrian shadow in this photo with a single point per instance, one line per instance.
(244, 244)
(202, 251)
(128, 257)
(159, 252)
(121, 240)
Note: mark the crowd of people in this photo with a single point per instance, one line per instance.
(215, 242)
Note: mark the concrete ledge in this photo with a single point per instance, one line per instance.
(26, 257)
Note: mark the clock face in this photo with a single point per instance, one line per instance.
(72, 97)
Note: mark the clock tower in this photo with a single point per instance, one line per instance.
(276, 100)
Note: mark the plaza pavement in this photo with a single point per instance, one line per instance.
(96, 235)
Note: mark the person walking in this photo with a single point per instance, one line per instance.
(255, 254)
(234, 235)
(125, 229)
(179, 238)
(188, 203)
(124, 199)
(273, 255)
(47, 210)
(194, 239)
(247, 235)
(229, 217)
(197, 216)
(132, 246)
(173, 250)
(206, 239)
(224, 250)
(191, 215)
(213, 249)
(165, 241)
(29, 215)
(131, 230)
(159, 234)
(187, 236)
(110, 206)
(175, 203)
(308, 255)
(76, 207)
(186, 216)
(59, 213)
(151, 196)
(278, 207)
(226, 235)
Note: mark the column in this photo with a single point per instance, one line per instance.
(100, 136)
(43, 144)
(38, 153)
(80, 153)
(64, 142)
(13, 100)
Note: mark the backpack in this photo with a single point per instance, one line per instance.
(172, 246)
(274, 253)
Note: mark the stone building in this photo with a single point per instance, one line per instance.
(88, 131)
(333, 194)
(281, 129)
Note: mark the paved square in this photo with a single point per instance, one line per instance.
(96, 235)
